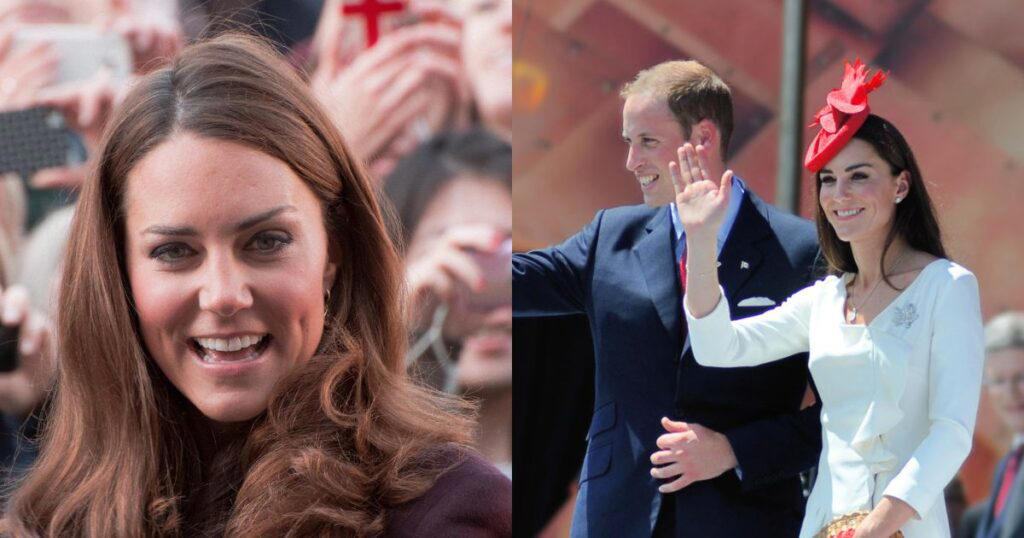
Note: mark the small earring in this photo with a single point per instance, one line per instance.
(898, 199)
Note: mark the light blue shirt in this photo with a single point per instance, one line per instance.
(735, 198)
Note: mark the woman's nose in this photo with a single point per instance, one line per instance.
(840, 189)
(225, 289)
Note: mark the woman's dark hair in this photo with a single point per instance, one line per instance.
(914, 219)
(419, 176)
(346, 436)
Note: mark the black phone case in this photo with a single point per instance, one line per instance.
(33, 139)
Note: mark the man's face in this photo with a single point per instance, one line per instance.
(653, 135)
(1004, 379)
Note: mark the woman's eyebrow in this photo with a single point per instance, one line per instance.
(161, 229)
(260, 217)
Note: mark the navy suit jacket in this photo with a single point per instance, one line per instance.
(621, 271)
(1011, 522)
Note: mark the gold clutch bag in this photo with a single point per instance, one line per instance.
(845, 525)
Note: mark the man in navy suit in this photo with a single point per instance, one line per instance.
(1003, 512)
(674, 448)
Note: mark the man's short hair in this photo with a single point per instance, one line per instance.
(692, 91)
(1005, 331)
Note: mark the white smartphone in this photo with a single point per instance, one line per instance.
(83, 50)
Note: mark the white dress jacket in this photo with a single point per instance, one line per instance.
(899, 396)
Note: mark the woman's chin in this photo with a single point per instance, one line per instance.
(230, 411)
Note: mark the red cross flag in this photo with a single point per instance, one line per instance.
(372, 11)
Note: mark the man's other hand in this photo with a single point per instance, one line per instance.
(689, 453)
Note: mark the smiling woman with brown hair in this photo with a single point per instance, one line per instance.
(231, 334)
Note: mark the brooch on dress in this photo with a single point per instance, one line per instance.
(905, 315)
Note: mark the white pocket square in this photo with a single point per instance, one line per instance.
(756, 301)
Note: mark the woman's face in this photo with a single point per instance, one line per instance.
(482, 322)
(858, 193)
(487, 57)
(228, 264)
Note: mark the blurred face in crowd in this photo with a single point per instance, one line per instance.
(487, 58)
(481, 321)
(652, 135)
(228, 264)
(858, 193)
(1004, 379)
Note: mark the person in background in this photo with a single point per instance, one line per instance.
(32, 350)
(1002, 515)
(486, 50)
(454, 202)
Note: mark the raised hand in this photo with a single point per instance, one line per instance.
(396, 94)
(436, 272)
(701, 202)
(24, 72)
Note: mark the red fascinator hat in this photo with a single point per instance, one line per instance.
(844, 112)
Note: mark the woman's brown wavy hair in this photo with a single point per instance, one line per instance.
(345, 437)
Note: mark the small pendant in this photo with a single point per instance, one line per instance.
(851, 315)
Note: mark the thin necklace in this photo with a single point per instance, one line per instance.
(852, 314)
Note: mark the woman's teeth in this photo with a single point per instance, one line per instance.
(229, 344)
(848, 212)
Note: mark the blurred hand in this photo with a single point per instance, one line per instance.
(87, 107)
(435, 276)
(154, 35)
(395, 93)
(25, 387)
(23, 72)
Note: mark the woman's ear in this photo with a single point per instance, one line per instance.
(330, 267)
(902, 184)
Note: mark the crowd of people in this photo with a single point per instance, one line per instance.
(273, 297)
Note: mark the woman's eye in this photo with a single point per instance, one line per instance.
(859, 175)
(267, 243)
(171, 252)
(827, 180)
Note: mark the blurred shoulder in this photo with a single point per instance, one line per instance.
(471, 499)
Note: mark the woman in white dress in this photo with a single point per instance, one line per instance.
(894, 335)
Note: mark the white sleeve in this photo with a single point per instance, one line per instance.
(954, 385)
(778, 333)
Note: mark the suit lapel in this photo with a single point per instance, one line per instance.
(658, 264)
(740, 257)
